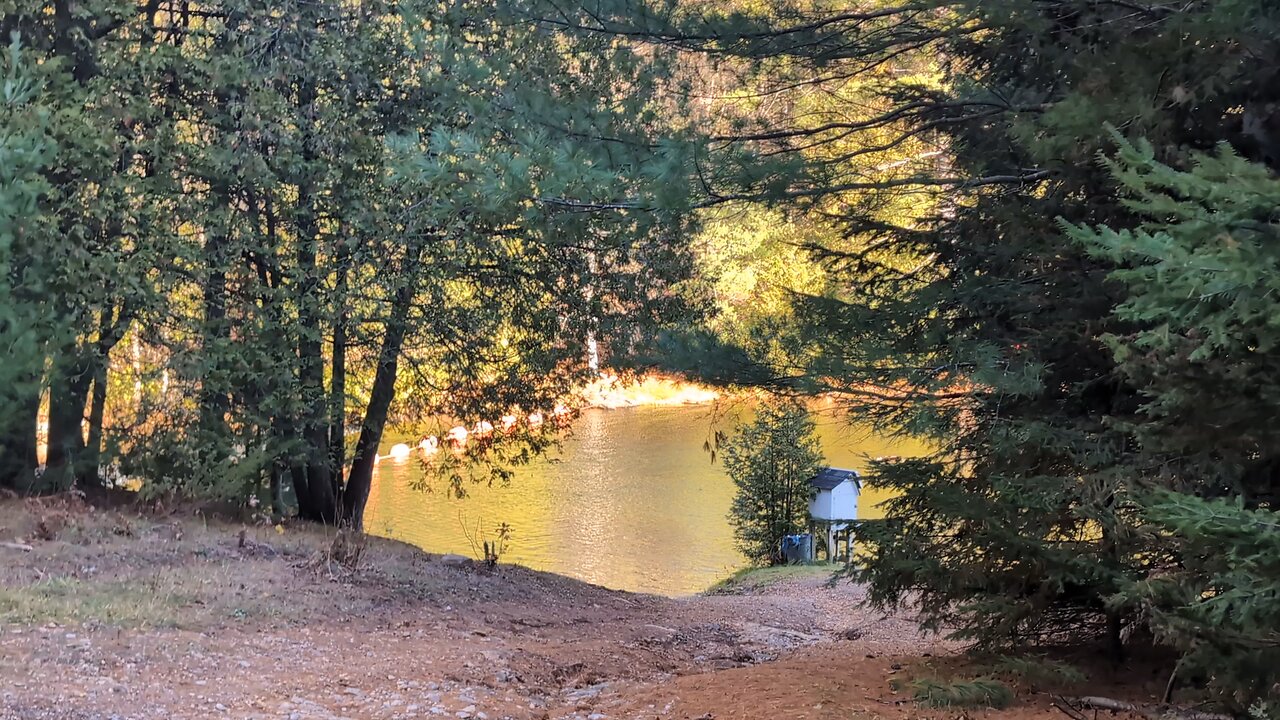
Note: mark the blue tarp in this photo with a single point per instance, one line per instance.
(797, 548)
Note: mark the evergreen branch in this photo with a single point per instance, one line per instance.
(672, 35)
(821, 191)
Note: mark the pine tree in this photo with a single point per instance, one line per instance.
(1023, 525)
(25, 151)
(1200, 277)
(108, 205)
(969, 317)
(771, 460)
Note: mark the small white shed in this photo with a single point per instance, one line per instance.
(835, 504)
(837, 496)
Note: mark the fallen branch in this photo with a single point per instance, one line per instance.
(1155, 712)
(17, 546)
(1067, 709)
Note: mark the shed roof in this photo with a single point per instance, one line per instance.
(829, 478)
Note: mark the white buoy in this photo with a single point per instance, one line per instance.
(457, 437)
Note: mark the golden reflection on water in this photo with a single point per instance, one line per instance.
(632, 501)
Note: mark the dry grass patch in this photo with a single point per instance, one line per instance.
(158, 603)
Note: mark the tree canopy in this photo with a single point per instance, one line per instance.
(268, 225)
(1037, 233)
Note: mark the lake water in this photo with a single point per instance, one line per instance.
(631, 501)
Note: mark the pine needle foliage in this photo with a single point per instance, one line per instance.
(26, 149)
(1202, 274)
(986, 327)
(975, 693)
(1038, 672)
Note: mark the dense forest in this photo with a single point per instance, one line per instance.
(1042, 234)
(234, 231)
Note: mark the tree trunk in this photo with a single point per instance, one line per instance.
(88, 472)
(1114, 615)
(285, 429)
(19, 430)
(112, 325)
(278, 471)
(321, 498)
(338, 396)
(312, 481)
(356, 493)
(20, 391)
(320, 501)
(1115, 638)
(338, 366)
(68, 394)
(213, 400)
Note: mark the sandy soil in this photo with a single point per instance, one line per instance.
(112, 615)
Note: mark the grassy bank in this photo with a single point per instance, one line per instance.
(751, 579)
